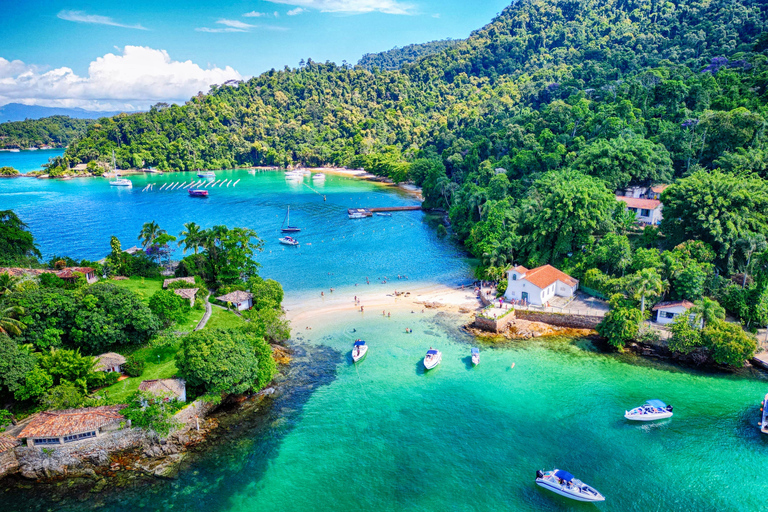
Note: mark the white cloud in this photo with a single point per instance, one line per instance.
(294, 12)
(254, 14)
(436, 15)
(134, 79)
(235, 24)
(81, 17)
(219, 30)
(352, 6)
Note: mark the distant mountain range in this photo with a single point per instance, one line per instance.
(20, 112)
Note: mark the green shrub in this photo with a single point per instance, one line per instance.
(133, 366)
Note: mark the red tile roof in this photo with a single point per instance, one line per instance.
(546, 275)
(672, 304)
(72, 421)
(635, 202)
(659, 188)
(7, 442)
(69, 272)
(520, 269)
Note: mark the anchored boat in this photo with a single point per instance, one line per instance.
(118, 181)
(197, 192)
(475, 356)
(764, 410)
(432, 358)
(651, 410)
(287, 220)
(206, 174)
(287, 240)
(564, 484)
(359, 350)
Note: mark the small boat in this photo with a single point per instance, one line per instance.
(286, 227)
(251, 171)
(121, 182)
(564, 484)
(651, 410)
(359, 350)
(432, 358)
(384, 214)
(206, 174)
(197, 192)
(764, 423)
(318, 177)
(475, 356)
(358, 213)
(15, 150)
(287, 240)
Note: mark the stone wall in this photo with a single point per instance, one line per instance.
(560, 319)
(494, 325)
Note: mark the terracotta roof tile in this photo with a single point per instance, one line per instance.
(108, 360)
(7, 442)
(671, 304)
(547, 275)
(72, 421)
(235, 297)
(520, 269)
(659, 188)
(634, 202)
(69, 272)
(173, 386)
(186, 293)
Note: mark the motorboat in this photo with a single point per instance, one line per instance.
(649, 411)
(764, 410)
(206, 174)
(318, 177)
(564, 484)
(251, 171)
(432, 358)
(286, 227)
(121, 182)
(359, 350)
(358, 213)
(475, 356)
(287, 240)
(197, 192)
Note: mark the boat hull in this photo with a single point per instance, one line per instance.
(648, 417)
(559, 489)
(475, 360)
(432, 362)
(358, 355)
(290, 230)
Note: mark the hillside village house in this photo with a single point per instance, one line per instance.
(187, 293)
(653, 192)
(109, 362)
(666, 312)
(539, 285)
(647, 211)
(62, 427)
(241, 300)
(173, 389)
(67, 273)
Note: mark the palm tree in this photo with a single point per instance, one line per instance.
(708, 311)
(446, 188)
(150, 231)
(7, 282)
(9, 324)
(646, 283)
(192, 237)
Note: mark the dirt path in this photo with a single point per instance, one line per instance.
(207, 314)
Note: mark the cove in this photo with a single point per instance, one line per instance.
(385, 435)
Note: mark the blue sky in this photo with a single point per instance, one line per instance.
(106, 55)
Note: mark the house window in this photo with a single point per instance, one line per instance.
(668, 314)
(52, 440)
(645, 213)
(77, 437)
(514, 277)
(633, 210)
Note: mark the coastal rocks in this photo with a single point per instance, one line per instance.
(431, 305)
(281, 354)
(517, 329)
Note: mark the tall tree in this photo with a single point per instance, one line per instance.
(17, 244)
(646, 283)
(191, 237)
(149, 232)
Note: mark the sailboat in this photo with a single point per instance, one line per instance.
(118, 181)
(286, 227)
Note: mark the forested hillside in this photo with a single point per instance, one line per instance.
(524, 131)
(398, 57)
(51, 131)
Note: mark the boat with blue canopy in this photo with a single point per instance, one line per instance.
(475, 356)
(206, 174)
(565, 484)
(433, 358)
(359, 350)
(649, 411)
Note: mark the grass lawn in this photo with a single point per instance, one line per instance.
(223, 319)
(190, 321)
(159, 364)
(144, 286)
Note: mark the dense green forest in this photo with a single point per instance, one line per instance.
(396, 58)
(57, 131)
(523, 132)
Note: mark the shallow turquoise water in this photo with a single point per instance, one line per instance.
(25, 161)
(384, 435)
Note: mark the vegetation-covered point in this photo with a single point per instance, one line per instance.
(57, 131)
(396, 58)
(8, 171)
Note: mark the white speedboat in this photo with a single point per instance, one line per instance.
(318, 177)
(651, 410)
(287, 240)
(432, 358)
(564, 484)
(251, 171)
(359, 350)
(206, 174)
(121, 182)
(475, 356)
(764, 410)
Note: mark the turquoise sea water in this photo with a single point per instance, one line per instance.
(25, 161)
(385, 435)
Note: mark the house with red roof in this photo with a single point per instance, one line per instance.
(67, 426)
(666, 312)
(539, 285)
(647, 211)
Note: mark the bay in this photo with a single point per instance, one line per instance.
(26, 161)
(383, 434)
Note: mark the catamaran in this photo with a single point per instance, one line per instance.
(286, 227)
(432, 358)
(359, 350)
(118, 181)
(649, 411)
(564, 484)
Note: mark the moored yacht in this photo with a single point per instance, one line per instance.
(432, 358)
(475, 356)
(206, 174)
(359, 350)
(651, 410)
(287, 240)
(564, 484)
